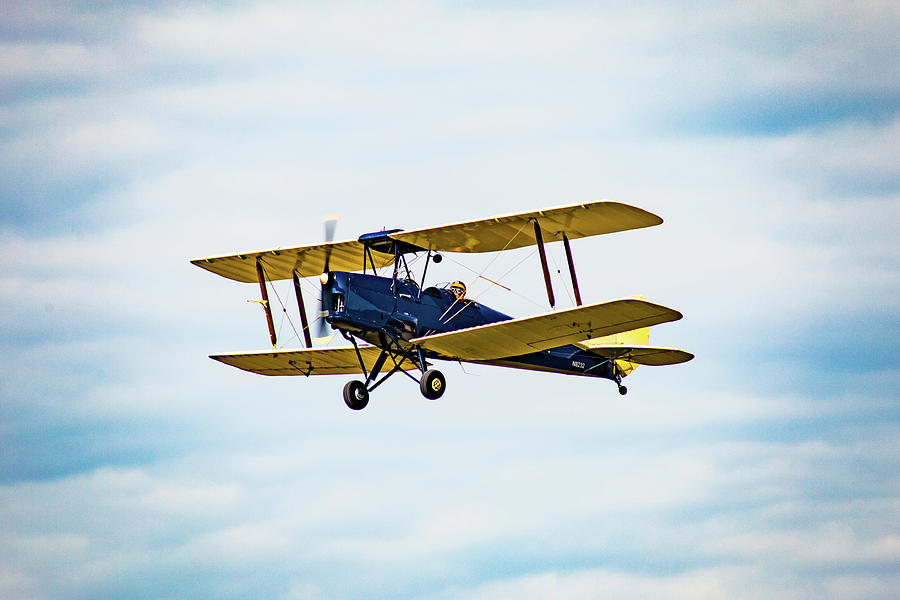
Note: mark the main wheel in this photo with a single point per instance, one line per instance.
(622, 389)
(356, 396)
(432, 384)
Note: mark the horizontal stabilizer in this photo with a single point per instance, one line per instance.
(532, 334)
(310, 361)
(641, 355)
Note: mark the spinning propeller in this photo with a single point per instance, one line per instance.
(330, 225)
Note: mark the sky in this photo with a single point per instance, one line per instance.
(137, 136)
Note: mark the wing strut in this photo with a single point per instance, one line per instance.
(572, 270)
(265, 300)
(303, 322)
(539, 240)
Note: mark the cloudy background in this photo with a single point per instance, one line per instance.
(134, 138)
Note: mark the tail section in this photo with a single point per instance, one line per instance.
(631, 348)
(636, 338)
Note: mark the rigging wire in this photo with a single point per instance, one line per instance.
(284, 311)
(557, 261)
(510, 290)
(317, 294)
(518, 264)
(497, 255)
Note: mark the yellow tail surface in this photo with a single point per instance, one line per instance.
(635, 337)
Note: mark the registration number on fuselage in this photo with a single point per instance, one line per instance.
(578, 364)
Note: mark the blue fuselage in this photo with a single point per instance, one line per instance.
(377, 309)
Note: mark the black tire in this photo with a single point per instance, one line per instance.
(356, 396)
(432, 384)
(623, 390)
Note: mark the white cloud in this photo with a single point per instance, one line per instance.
(706, 584)
(829, 545)
(15, 585)
(302, 503)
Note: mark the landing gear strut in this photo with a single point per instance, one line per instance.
(622, 389)
(432, 384)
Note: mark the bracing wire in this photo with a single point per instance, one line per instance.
(284, 312)
(510, 290)
(557, 261)
(518, 264)
(497, 255)
(480, 274)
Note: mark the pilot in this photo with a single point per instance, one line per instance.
(459, 290)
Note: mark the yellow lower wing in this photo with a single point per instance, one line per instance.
(312, 361)
(532, 334)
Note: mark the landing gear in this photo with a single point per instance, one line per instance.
(432, 384)
(618, 379)
(356, 393)
(356, 396)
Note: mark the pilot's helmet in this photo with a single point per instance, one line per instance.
(459, 289)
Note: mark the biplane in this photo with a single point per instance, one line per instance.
(399, 324)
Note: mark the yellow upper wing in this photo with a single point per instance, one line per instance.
(311, 361)
(532, 334)
(279, 263)
(514, 231)
(485, 235)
